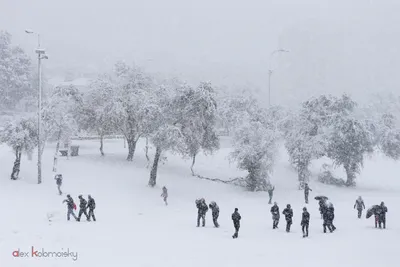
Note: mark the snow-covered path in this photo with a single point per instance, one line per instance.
(134, 228)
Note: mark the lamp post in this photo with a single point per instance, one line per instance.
(270, 71)
(41, 55)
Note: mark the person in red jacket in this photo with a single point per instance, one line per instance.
(70, 206)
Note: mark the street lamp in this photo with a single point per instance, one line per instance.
(270, 71)
(41, 55)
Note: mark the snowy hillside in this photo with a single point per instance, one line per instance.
(135, 228)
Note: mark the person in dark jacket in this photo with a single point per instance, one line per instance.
(275, 215)
(58, 179)
(305, 222)
(328, 216)
(288, 212)
(82, 208)
(307, 190)
(164, 195)
(236, 222)
(91, 206)
(322, 206)
(215, 212)
(70, 207)
(271, 193)
(202, 209)
(381, 215)
(360, 206)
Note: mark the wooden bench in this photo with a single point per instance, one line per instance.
(64, 153)
(74, 151)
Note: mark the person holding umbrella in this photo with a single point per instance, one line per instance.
(322, 204)
(360, 206)
(381, 214)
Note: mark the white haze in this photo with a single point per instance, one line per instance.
(336, 45)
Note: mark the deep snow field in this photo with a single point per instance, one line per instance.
(134, 228)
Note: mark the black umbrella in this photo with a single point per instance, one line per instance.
(320, 198)
(372, 210)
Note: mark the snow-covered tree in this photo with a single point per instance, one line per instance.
(389, 136)
(303, 145)
(255, 148)
(60, 113)
(348, 144)
(21, 135)
(232, 109)
(15, 73)
(134, 100)
(165, 133)
(99, 110)
(197, 114)
(308, 130)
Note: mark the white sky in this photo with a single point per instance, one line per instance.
(336, 45)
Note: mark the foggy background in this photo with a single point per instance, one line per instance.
(335, 46)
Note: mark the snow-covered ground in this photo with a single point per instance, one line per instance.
(134, 228)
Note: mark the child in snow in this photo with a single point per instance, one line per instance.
(164, 194)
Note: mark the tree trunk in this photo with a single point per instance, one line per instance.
(101, 145)
(147, 150)
(351, 174)
(193, 162)
(303, 175)
(153, 173)
(124, 142)
(56, 154)
(131, 148)
(17, 165)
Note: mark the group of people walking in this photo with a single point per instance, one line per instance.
(83, 206)
(288, 212)
(379, 212)
(202, 209)
(326, 209)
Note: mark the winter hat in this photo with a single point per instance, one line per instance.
(236, 209)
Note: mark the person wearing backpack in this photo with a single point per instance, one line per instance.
(91, 206)
(288, 212)
(275, 215)
(202, 209)
(215, 213)
(82, 208)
